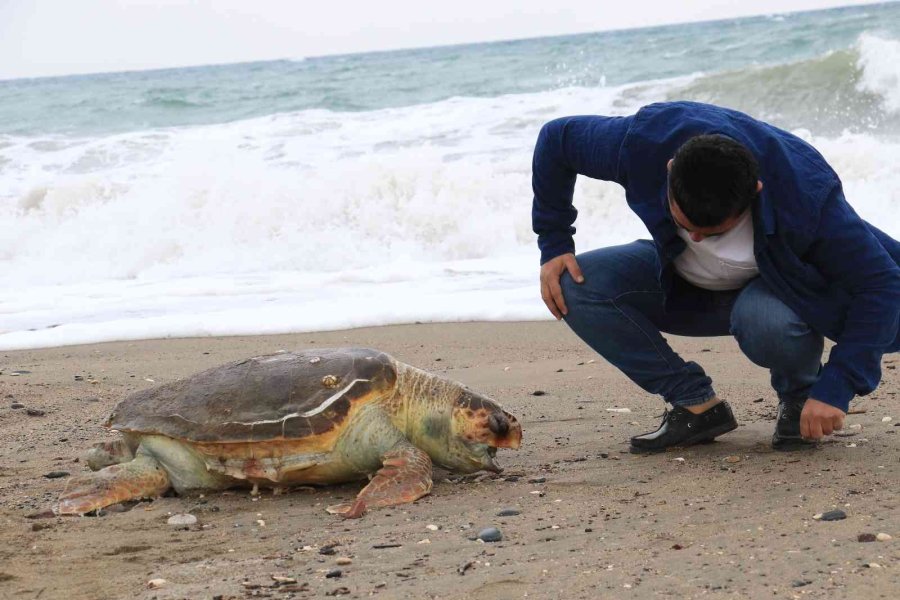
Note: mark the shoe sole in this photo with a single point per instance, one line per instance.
(707, 437)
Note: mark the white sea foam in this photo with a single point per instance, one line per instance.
(879, 59)
(313, 220)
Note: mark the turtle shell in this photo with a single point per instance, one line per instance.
(289, 395)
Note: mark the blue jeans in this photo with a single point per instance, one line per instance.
(619, 312)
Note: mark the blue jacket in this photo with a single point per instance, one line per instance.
(839, 273)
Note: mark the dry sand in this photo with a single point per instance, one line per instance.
(732, 520)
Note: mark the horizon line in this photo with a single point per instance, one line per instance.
(126, 71)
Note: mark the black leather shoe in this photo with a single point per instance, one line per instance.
(681, 427)
(787, 428)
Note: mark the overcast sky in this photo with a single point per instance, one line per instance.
(54, 37)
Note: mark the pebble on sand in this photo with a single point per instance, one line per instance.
(490, 534)
(509, 512)
(56, 474)
(344, 560)
(886, 419)
(619, 410)
(183, 520)
(156, 583)
(831, 515)
(866, 537)
(334, 573)
(883, 537)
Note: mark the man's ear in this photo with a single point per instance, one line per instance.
(758, 183)
(669, 164)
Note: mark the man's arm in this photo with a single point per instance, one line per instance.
(850, 256)
(566, 148)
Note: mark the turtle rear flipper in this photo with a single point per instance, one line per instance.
(404, 477)
(142, 477)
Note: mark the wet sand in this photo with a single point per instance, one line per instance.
(732, 520)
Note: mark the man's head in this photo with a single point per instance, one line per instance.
(712, 181)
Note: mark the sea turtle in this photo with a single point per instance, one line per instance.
(309, 417)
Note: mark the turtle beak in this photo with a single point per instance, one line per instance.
(489, 464)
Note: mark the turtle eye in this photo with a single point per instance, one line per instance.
(498, 423)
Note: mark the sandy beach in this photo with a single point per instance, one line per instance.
(731, 520)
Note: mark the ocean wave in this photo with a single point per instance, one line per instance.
(856, 89)
(879, 59)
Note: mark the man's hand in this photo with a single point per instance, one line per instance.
(819, 419)
(551, 291)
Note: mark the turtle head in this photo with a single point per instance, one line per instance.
(478, 427)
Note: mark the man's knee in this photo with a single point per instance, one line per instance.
(767, 330)
(596, 291)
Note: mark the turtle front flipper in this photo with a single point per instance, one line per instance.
(404, 477)
(142, 477)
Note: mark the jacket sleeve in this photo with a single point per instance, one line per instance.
(850, 256)
(565, 148)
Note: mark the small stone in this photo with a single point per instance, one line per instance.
(509, 512)
(490, 534)
(883, 537)
(56, 474)
(833, 515)
(425, 541)
(619, 410)
(537, 480)
(79, 378)
(154, 584)
(856, 426)
(886, 419)
(183, 520)
(279, 579)
(538, 493)
(866, 537)
(334, 573)
(732, 459)
(679, 459)
(16, 405)
(261, 522)
(873, 565)
(34, 412)
(432, 527)
(801, 583)
(328, 550)
(538, 393)
(343, 560)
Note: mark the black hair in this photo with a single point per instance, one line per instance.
(713, 178)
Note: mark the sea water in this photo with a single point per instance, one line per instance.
(323, 193)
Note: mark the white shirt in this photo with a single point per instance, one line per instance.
(723, 262)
